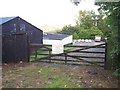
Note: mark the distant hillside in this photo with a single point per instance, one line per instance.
(51, 28)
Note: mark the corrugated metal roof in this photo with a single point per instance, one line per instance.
(5, 19)
(55, 36)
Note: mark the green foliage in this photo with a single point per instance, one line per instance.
(75, 36)
(112, 11)
(89, 33)
(82, 33)
(68, 30)
(96, 31)
(86, 19)
(85, 27)
(116, 73)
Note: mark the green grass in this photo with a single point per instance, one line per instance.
(67, 48)
(41, 56)
(63, 83)
(45, 71)
(39, 76)
(57, 84)
(116, 73)
(32, 58)
(45, 52)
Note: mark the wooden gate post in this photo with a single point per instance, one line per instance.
(105, 62)
(28, 48)
(35, 54)
(65, 58)
(49, 56)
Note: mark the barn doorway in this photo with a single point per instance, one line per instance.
(15, 48)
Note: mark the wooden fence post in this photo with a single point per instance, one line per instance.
(49, 56)
(35, 54)
(29, 51)
(65, 58)
(105, 63)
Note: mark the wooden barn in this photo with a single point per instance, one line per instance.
(17, 34)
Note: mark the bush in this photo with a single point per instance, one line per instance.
(89, 33)
(81, 32)
(75, 36)
(69, 30)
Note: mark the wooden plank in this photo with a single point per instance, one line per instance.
(86, 56)
(39, 44)
(68, 60)
(84, 60)
(42, 54)
(46, 61)
(102, 45)
(89, 52)
(47, 48)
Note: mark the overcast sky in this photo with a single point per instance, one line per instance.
(45, 13)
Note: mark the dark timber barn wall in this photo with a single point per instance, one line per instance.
(17, 34)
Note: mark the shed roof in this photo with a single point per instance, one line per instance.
(5, 19)
(55, 36)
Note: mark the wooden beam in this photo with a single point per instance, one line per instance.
(89, 52)
(70, 60)
(84, 60)
(46, 61)
(87, 56)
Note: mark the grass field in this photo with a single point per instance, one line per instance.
(51, 75)
(39, 76)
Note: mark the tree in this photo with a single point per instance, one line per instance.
(112, 11)
(102, 23)
(85, 26)
(68, 30)
(89, 19)
(75, 36)
(89, 33)
(86, 19)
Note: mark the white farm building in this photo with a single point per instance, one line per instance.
(61, 39)
(57, 41)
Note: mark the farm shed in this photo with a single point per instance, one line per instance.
(51, 39)
(17, 34)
